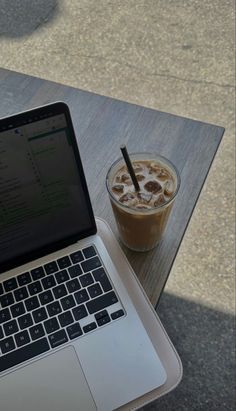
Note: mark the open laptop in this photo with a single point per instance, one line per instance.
(70, 337)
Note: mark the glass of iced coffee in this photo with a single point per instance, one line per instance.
(141, 215)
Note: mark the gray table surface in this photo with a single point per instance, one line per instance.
(102, 124)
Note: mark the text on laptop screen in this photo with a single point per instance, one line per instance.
(41, 195)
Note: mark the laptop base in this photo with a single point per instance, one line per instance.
(160, 340)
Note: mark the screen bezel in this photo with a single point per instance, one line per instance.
(28, 117)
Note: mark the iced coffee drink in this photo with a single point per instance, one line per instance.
(142, 215)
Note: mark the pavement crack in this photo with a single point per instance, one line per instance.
(155, 74)
(204, 82)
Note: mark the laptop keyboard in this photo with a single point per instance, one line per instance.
(53, 304)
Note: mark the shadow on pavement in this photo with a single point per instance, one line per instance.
(22, 17)
(205, 341)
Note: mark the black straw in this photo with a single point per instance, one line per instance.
(130, 167)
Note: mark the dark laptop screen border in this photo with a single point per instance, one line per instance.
(26, 117)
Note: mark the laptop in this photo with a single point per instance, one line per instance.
(70, 336)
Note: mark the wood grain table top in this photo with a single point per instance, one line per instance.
(102, 124)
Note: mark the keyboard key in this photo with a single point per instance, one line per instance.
(89, 252)
(1, 332)
(17, 309)
(32, 303)
(81, 296)
(21, 294)
(51, 325)
(75, 271)
(58, 338)
(94, 290)
(46, 297)
(73, 285)
(101, 277)
(37, 332)
(22, 338)
(68, 302)
(6, 299)
(59, 291)
(103, 320)
(91, 264)
(54, 308)
(89, 327)
(64, 262)
(62, 276)
(101, 302)
(100, 315)
(76, 257)
(6, 345)
(48, 282)
(65, 318)
(22, 354)
(39, 315)
(4, 315)
(24, 279)
(11, 327)
(86, 279)
(74, 331)
(38, 273)
(35, 288)
(10, 284)
(79, 312)
(51, 267)
(117, 314)
(25, 321)
(1, 289)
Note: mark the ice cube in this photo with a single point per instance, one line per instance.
(169, 188)
(125, 177)
(142, 207)
(159, 201)
(152, 186)
(118, 179)
(162, 174)
(140, 177)
(154, 167)
(144, 197)
(137, 167)
(118, 188)
(128, 197)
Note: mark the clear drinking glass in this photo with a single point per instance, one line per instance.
(141, 227)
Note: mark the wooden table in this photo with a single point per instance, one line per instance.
(102, 124)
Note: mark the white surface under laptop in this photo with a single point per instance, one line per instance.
(103, 370)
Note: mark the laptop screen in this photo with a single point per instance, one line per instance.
(43, 194)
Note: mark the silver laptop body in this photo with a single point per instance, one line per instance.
(70, 337)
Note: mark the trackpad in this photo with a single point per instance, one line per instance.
(55, 383)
